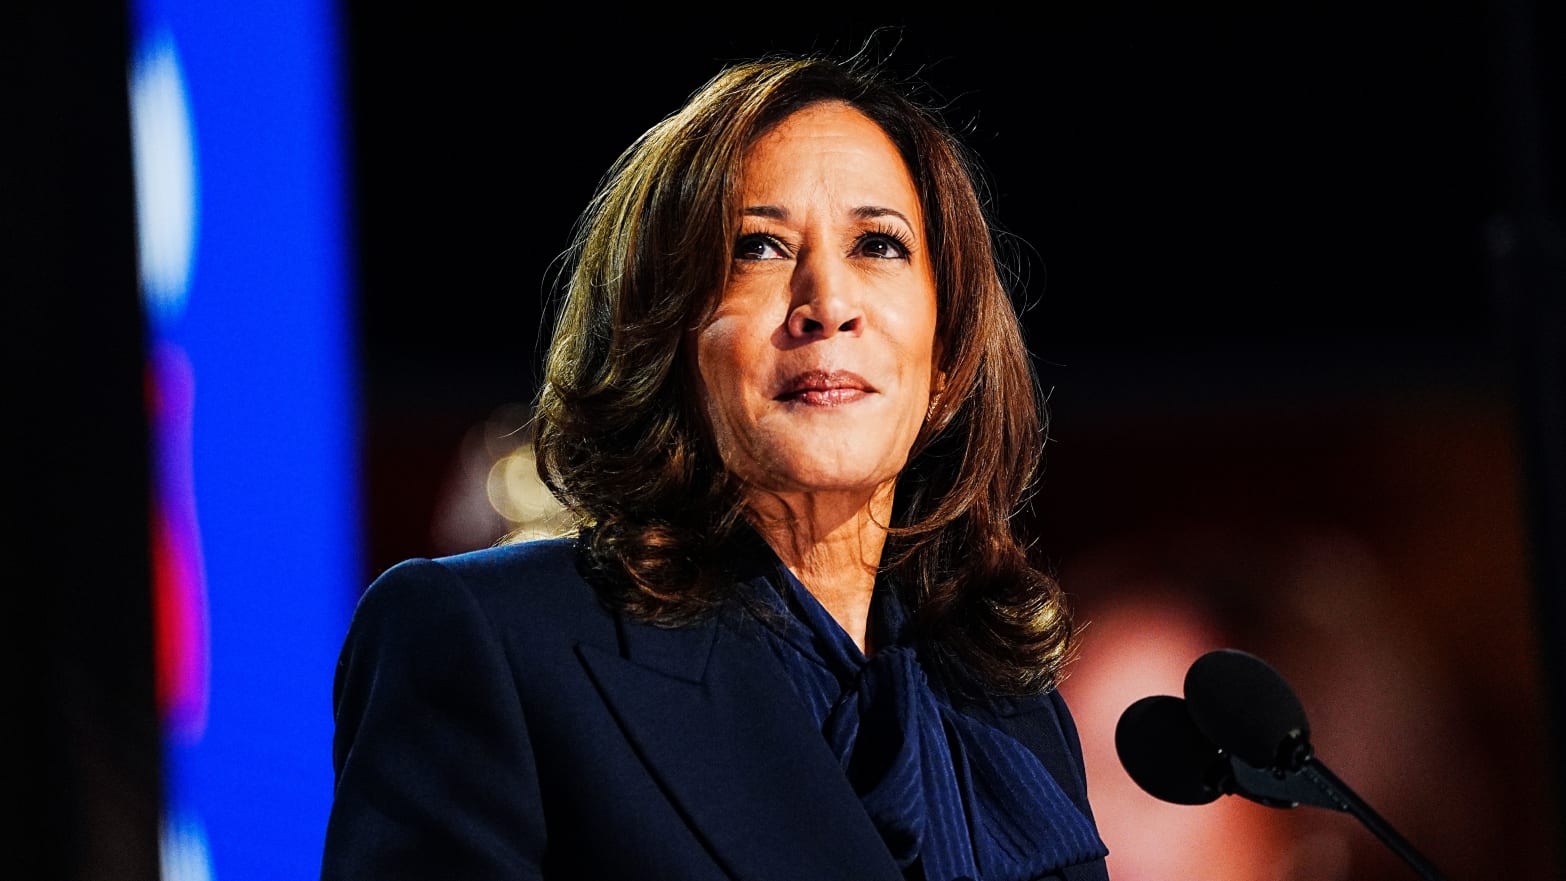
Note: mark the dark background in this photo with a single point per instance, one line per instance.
(1189, 182)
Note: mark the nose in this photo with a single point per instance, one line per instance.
(825, 299)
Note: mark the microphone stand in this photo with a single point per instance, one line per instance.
(1311, 782)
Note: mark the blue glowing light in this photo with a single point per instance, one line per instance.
(244, 253)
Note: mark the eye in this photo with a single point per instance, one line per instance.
(758, 246)
(883, 245)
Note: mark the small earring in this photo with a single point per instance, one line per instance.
(937, 386)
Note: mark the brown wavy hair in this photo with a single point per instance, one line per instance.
(619, 431)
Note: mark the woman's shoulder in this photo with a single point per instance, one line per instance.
(545, 559)
(539, 582)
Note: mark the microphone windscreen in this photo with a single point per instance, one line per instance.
(1244, 706)
(1164, 752)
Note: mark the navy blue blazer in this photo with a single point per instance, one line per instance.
(495, 721)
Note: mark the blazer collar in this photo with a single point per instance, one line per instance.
(721, 728)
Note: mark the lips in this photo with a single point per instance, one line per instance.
(823, 388)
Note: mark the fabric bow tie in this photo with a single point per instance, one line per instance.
(949, 793)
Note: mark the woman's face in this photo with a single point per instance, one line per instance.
(816, 365)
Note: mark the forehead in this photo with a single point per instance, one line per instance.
(830, 143)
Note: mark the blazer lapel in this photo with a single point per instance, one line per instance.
(721, 728)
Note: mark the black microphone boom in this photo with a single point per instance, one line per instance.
(1240, 730)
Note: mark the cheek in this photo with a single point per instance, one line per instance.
(917, 344)
(720, 358)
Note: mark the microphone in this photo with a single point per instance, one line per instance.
(1237, 700)
(1167, 755)
(1240, 730)
(1171, 759)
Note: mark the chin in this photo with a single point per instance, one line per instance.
(806, 477)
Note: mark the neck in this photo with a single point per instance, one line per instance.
(832, 542)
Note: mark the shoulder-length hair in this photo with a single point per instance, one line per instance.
(620, 435)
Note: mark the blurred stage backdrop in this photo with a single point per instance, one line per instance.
(1293, 280)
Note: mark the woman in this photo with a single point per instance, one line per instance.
(797, 635)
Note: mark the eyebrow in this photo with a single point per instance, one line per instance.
(871, 212)
(863, 212)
